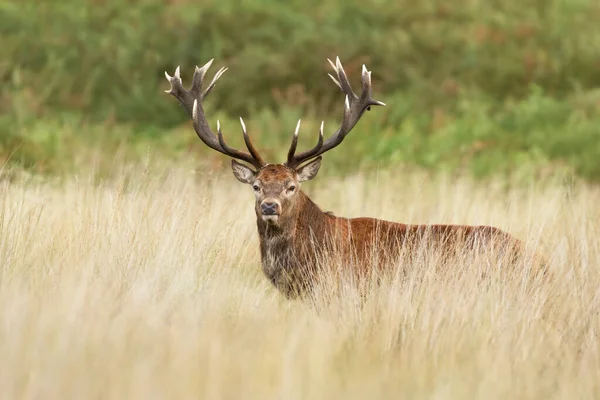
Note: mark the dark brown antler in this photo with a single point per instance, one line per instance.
(354, 107)
(191, 100)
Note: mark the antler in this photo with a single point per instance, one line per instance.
(191, 100)
(354, 107)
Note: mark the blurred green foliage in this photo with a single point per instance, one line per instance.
(484, 85)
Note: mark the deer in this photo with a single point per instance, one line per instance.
(294, 233)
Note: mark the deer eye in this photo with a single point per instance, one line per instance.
(291, 189)
(256, 187)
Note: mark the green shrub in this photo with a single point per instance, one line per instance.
(457, 76)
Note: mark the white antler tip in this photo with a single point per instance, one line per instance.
(177, 75)
(218, 125)
(208, 64)
(364, 69)
(321, 129)
(347, 103)
(243, 125)
(297, 128)
(167, 76)
(337, 61)
(195, 110)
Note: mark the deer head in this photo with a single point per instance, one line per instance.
(276, 186)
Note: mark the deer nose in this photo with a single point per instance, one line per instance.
(269, 207)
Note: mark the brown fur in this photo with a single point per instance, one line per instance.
(292, 250)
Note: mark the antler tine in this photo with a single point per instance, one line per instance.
(249, 144)
(257, 161)
(354, 107)
(214, 81)
(192, 99)
(291, 161)
(332, 77)
(294, 143)
(198, 78)
(343, 79)
(367, 88)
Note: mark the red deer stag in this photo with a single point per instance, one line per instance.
(294, 232)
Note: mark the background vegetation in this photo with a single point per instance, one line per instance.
(480, 85)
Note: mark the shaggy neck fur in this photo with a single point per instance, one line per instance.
(290, 250)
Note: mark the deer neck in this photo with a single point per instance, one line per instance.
(290, 249)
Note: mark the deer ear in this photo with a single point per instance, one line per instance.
(243, 173)
(310, 170)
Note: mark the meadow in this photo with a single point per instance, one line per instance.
(148, 285)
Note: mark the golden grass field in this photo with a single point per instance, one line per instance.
(149, 287)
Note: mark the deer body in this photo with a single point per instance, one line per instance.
(295, 235)
(292, 255)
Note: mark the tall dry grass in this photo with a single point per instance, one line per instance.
(150, 287)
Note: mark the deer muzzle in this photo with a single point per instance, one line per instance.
(270, 210)
(270, 207)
